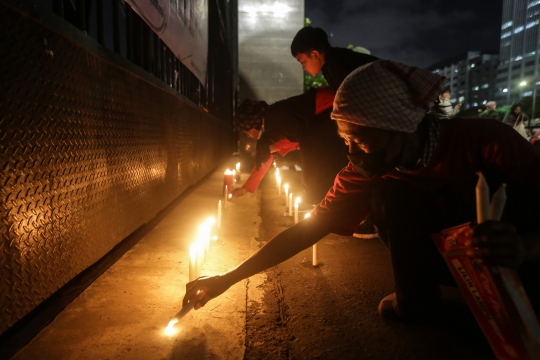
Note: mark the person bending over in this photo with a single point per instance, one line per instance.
(302, 122)
(415, 175)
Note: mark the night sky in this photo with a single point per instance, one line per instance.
(415, 32)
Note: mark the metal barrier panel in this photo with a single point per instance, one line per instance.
(89, 153)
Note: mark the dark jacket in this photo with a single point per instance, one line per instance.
(340, 62)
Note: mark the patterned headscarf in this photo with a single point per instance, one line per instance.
(249, 115)
(387, 95)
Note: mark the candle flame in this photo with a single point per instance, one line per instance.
(237, 166)
(286, 186)
(297, 200)
(307, 215)
(228, 172)
(170, 330)
(230, 196)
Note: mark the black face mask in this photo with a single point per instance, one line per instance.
(372, 164)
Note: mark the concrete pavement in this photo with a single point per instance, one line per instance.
(123, 314)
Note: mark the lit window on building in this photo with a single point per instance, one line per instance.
(473, 65)
(506, 34)
(484, 102)
(456, 70)
(533, 3)
(506, 25)
(485, 86)
(519, 57)
(475, 104)
(476, 88)
(531, 24)
(528, 93)
(518, 29)
(530, 53)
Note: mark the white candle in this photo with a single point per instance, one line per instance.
(286, 187)
(192, 262)
(219, 214)
(237, 167)
(498, 201)
(279, 185)
(315, 255)
(199, 246)
(296, 209)
(290, 204)
(278, 178)
(225, 197)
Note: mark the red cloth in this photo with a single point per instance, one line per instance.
(464, 148)
(282, 147)
(324, 99)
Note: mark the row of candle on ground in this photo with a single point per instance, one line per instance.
(288, 202)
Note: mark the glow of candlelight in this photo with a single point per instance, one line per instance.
(237, 166)
(219, 214)
(307, 215)
(228, 172)
(170, 330)
(286, 187)
(192, 262)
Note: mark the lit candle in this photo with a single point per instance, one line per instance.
(219, 214)
(286, 187)
(315, 255)
(228, 180)
(290, 204)
(296, 202)
(192, 262)
(279, 185)
(278, 178)
(238, 175)
(199, 249)
(225, 197)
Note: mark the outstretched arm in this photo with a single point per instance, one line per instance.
(282, 247)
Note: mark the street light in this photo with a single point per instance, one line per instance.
(524, 83)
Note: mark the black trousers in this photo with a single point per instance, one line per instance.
(405, 217)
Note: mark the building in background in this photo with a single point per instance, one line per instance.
(267, 69)
(518, 68)
(471, 76)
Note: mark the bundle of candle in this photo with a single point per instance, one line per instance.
(494, 294)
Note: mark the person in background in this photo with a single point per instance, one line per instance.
(311, 48)
(443, 106)
(517, 119)
(299, 122)
(416, 175)
(490, 112)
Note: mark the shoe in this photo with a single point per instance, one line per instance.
(419, 312)
(388, 308)
(365, 230)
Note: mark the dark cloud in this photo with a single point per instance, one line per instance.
(417, 32)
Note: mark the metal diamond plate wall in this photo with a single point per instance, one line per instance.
(89, 152)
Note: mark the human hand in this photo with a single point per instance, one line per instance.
(238, 192)
(205, 289)
(496, 243)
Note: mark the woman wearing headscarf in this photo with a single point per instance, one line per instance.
(299, 122)
(415, 175)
